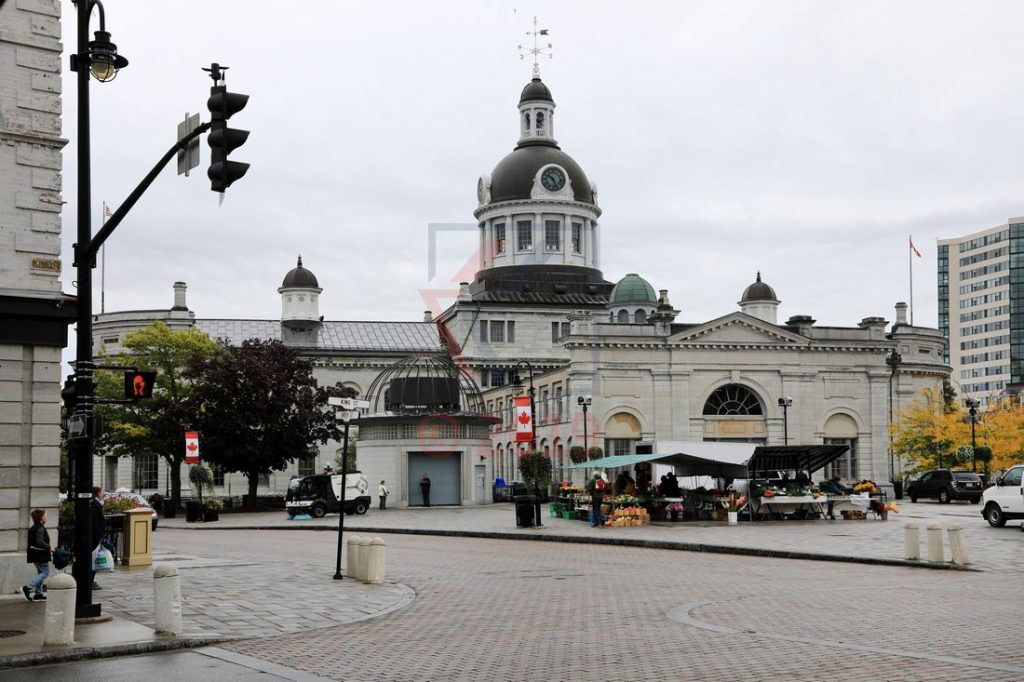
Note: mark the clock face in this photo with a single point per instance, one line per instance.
(553, 179)
(480, 190)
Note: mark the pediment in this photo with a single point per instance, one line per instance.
(738, 328)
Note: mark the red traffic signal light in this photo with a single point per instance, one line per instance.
(138, 385)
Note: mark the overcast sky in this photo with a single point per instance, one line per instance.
(803, 139)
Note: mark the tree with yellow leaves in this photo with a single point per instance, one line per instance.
(930, 435)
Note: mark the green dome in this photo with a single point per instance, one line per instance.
(633, 289)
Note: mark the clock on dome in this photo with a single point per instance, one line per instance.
(553, 178)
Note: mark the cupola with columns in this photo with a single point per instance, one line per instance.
(300, 298)
(759, 300)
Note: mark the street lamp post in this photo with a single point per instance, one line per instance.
(99, 58)
(972, 409)
(785, 404)
(584, 401)
(533, 434)
(893, 359)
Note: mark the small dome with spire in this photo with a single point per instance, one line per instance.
(300, 277)
(758, 291)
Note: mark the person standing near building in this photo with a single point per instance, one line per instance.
(382, 493)
(98, 524)
(39, 553)
(425, 489)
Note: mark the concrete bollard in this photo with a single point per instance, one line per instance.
(167, 600)
(935, 550)
(375, 565)
(363, 560)
(352, 558)
(59, 627)
(911, 542)
(958, 545)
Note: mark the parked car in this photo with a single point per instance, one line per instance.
(321, 493)
(1005, 500)
(945, 485)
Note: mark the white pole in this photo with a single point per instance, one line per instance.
(910, 268)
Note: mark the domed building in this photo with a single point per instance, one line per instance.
(632, 301)
(539, 318)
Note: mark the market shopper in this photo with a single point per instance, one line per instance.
(39, 553)
(834, 486)
(98, 524)
(382, 493)
(596, 488)
(425, 489)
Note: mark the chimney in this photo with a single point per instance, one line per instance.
(428, 316)
(464, 292)
(901, 313)
(663, 297)
(179, 296)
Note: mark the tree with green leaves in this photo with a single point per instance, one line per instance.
(259, 409)
(156, 425)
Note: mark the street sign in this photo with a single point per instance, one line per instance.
(191, 447)
(78, 426)
(349, 403)
(344, 416)
(188, 158)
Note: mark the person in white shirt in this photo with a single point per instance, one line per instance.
(383, 492)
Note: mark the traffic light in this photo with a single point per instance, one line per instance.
(223, 140)
(68, 395)
(138, 385)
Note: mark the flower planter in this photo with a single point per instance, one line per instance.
(734, 517)
(211, 515)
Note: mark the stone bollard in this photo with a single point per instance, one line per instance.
(935, 550)
(352, 558)
(167, 600)
(363, 560)
(59, 628)
(911, 542)
(958, 545)
(375, 565)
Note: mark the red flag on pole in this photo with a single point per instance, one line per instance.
(524, 423)
(914, 248)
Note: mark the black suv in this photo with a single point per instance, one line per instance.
(945, 485)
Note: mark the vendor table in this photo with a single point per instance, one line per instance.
(788, 504)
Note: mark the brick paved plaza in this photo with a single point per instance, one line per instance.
(501, 609)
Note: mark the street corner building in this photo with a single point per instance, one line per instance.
(540, 316)
(34, 313)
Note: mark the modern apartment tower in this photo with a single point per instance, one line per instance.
(981, 309)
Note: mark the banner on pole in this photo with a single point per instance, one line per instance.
(524, 422)
(191, 447)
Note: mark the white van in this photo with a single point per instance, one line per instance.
(1005, 500)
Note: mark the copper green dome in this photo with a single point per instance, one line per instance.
(633, 289)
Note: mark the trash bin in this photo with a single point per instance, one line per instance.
(193, 512)
(169, 510)
(138, 538)
(524, 511)
(897, 489)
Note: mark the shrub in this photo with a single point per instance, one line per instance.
(578, 454)
(535, 468)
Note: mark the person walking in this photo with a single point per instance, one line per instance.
(425, 489)
(39, 553)
(596, 488)
(98, 525)
(382, 493)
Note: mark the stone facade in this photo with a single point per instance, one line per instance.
(33, 311)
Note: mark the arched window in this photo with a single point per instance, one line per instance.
(733, 400)
(623, 317)
(540, 122)
(526, 122)
(640, 317)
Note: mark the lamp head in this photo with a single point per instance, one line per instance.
(785, 402)
(104, 61)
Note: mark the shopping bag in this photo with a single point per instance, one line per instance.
(61, 559)
(102, 560)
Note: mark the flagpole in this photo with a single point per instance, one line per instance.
(910, 269)
(103, 264)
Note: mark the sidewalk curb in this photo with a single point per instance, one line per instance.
(621, 542)
(81, 653)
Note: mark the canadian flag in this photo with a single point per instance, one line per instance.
(524, 423)
(191, 447)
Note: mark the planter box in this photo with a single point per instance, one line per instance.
(211, 515)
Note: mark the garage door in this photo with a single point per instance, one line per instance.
(443, 469)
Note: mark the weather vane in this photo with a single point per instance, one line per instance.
(538, 48)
